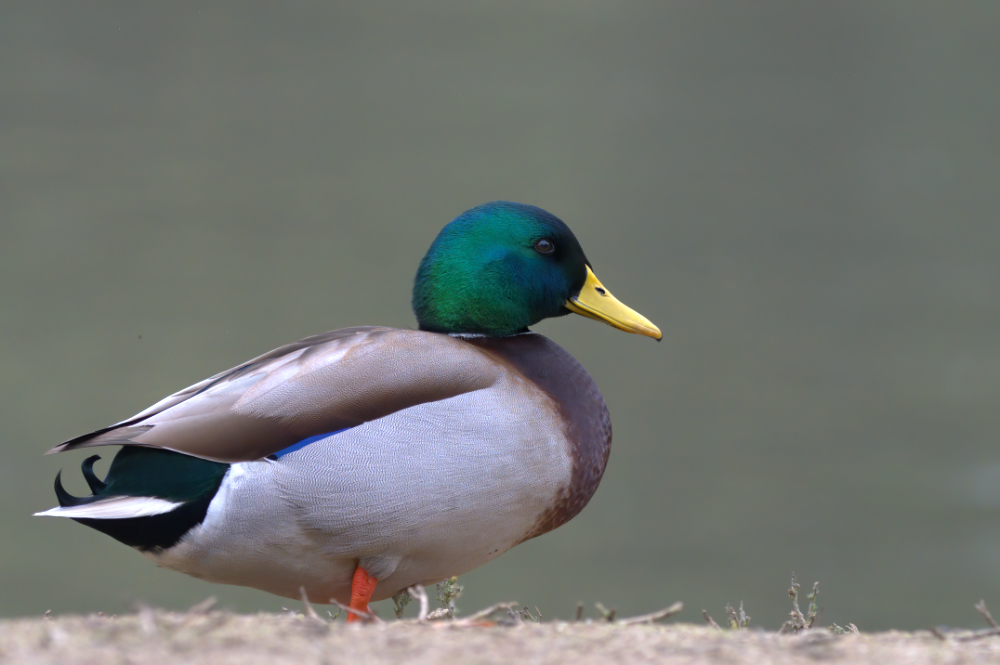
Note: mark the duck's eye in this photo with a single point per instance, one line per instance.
(545, 246)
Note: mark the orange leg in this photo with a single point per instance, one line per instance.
(362, 588)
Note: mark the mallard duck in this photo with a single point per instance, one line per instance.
(354, 464)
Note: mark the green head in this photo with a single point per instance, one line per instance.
(502, 266)
(497, 269)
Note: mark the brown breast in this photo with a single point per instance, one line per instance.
(584, 415)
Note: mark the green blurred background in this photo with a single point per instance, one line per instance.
(803, 195)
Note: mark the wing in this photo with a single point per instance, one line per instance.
(320, 384)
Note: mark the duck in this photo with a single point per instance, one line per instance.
(352, 465)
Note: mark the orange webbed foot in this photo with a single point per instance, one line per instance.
(362, 588)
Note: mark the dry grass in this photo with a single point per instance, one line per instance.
(212, 638)
(499, 634)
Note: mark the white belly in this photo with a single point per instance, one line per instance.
(409, 500)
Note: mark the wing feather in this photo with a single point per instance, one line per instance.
(320, 384)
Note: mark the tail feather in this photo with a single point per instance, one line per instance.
(64, 497)
(96, 484)
(150, 498)
(115, 508)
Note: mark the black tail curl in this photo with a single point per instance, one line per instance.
(149, 472)
(96, 485)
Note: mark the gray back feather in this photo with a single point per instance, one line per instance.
(321, 384)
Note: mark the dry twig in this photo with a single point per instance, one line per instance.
(608, 615)
(202, 607)
(310, 612)
(985, 611)
(369, 616)
(418, 592)
(994, 628)
(653, 616)
(979, 634)
(710, 621)
(486, 612)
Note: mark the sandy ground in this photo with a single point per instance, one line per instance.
(164, 638)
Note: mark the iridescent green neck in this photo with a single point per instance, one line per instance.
(484, 275)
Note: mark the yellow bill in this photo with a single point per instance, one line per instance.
(596, 302)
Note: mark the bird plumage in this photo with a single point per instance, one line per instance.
(408, 455)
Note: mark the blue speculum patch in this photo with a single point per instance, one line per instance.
(305, 442)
